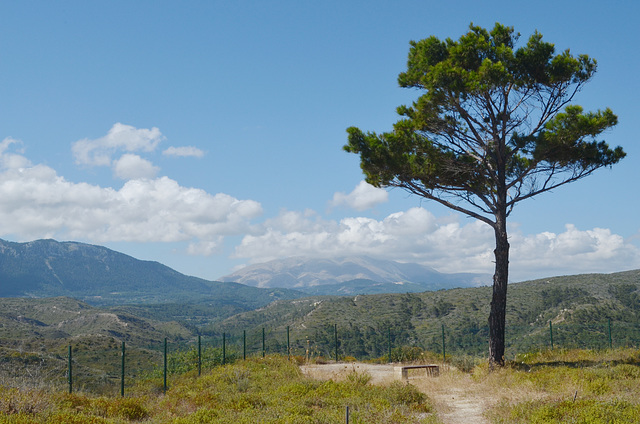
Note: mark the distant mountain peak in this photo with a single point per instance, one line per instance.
(98, 275)
(305, 272)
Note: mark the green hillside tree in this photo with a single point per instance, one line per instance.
(493, 126)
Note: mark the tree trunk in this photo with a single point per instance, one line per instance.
(497, 316)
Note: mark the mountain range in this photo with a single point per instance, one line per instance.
(351, 275)
(591, 311)
(101, 276)
(119, 298)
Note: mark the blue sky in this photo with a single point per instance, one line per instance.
(208, 134)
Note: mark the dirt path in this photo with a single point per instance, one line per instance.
(456, 397)
(458, 400)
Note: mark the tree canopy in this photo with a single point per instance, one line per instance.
(494, 125)
(490, 114)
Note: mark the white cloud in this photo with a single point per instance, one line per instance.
(131, 166)
(571, 252)
(120, 137)
(8, 141)
(205, 248)
(184, 151)
(11, 160)
(36, 202)
(413, 235)
(445, 244)
(364, 196)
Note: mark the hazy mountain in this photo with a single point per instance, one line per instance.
(351, 275)
(47, 268)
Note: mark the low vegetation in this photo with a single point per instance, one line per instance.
(559, 386)
(580, 309)
(264, 390)
(561, 366)
(566, 386)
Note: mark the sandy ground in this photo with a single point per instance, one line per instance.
(380, 374)
(457, 400)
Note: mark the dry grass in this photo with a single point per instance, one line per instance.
(544, 387)
(269, 390)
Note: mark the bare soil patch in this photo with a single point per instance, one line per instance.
(456, 397)
(380, 373)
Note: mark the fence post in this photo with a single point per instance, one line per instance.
(244, 345)
(551, 334)
(288, 344)
(70, 373)
(199, 355)
(610, 338)
(164, 385)
(263, 346)
(389, 345)
(335, 336)
(224, 348)
(444, 352)
(122, 372)
(347, 414)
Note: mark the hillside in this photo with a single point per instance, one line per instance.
(65, 318)
(35, 335)
(579, 308)
(101, 276)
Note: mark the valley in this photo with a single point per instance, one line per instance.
(232, 320)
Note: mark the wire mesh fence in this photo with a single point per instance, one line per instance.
(121, 366)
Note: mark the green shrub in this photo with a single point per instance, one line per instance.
(16, 401)
(67, 417)
(358, 378)
(131, 409)
(581, 411)
(464, 363)
(407, 354)
(201, 416)
(407, 395)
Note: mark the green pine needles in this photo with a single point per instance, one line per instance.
(494, 124)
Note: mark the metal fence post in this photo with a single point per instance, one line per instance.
(70, 373)
(244, 344)
(122, 372)
(224, 348)
(199, 355)
(551, 334)
(164, 386)
(444, 352)
(610, 338)
(389, 345)
(264, 351)
(335, 336)
(288, 344)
